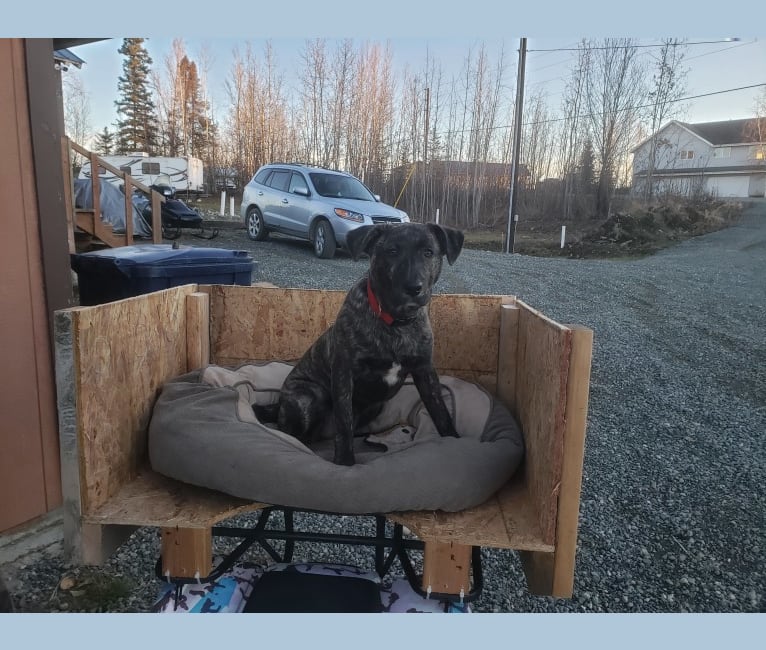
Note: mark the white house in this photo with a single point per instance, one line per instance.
(723, 159)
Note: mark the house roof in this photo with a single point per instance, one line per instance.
(718, 133)
(67, 58)
(62, 43)
(726, 132)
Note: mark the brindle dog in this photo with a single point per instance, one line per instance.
(382, 334)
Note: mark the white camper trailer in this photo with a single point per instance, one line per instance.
(185, 172)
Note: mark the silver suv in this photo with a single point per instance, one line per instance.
(313, 203)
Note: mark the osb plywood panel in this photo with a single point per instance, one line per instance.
(507, 520)
(506, 355)
(154, 500)
(466, 332)
(541, 381)
(260, 323)
(267, 324)
(125, 351)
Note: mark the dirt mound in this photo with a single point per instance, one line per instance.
(643, 231)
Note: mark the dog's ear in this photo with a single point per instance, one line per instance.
(450, 240)
(361, 240)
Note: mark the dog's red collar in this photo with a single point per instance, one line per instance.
(387, 318)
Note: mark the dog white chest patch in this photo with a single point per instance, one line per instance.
(392, 376)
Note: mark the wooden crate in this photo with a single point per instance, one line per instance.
(112, 360)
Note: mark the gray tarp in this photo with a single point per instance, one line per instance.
(112, 202)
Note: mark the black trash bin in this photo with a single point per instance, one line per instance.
(116, 273)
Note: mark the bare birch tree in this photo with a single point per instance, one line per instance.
(536, 148)
(419, 119)
(370, 113)
(614, 89)
(410, 127)
(667, 87)
(256, 126)
(76, 108)
(572, 129)
(314, 91)
(76, 113)
(760, 121)
(343, 63)
(485, 101)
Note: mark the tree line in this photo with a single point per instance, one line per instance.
(423, 139)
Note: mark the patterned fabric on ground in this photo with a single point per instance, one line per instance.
(400, 598)
(227, 595)
(232, 591)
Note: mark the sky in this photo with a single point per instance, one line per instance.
(445, 30)
(714, 67)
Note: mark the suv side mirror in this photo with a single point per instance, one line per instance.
(377, 197)
(302, 191)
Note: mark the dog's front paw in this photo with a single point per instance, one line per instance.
(448, 431)
(343, 458)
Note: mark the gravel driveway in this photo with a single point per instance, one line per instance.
(673, 507)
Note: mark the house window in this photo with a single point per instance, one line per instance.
(686, 154)
(150, 168)
(722, 152)
(759, 153)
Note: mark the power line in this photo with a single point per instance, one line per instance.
(723, 49)
(628, 47)
(453, 132)
(584, 115)
(633, 108)
(686, 58)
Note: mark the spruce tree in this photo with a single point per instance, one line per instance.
(105, 142)
(136, 124)
(586, 167)
(189, 120)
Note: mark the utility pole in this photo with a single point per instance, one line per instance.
(512, 216)
(427, 118)
(424, 209)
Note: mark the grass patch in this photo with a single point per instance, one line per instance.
(88, 590)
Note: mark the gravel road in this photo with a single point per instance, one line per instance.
(673, 506)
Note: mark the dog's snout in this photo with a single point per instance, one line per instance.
(414, 289)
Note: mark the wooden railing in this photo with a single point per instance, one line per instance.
(88, 220)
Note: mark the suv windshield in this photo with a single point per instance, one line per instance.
(343, 187)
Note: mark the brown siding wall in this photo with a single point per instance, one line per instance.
(29, 460)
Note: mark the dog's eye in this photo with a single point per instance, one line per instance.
(427, 252)
(392, 252)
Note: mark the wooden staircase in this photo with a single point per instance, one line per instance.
(85, 226)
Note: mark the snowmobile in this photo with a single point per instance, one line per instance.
(175, 213)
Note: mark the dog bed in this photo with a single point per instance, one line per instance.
(203, 431)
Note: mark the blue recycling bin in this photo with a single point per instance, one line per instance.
(117, 273)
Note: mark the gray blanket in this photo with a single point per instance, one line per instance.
(203, 431)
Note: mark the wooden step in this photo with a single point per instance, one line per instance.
(86, 219)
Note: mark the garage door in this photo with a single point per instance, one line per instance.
(757, 185)
(728, 186)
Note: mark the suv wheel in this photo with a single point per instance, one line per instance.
(324, 240)
(256, 229)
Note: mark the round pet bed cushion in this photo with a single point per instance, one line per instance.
(203, 431)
